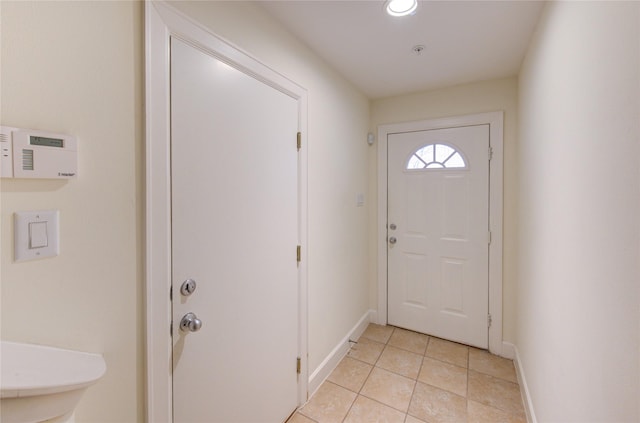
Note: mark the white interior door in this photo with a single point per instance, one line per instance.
(438, 219)
(234, 205)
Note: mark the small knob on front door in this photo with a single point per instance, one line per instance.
(190, 322)
(393, 226)
(392, 240)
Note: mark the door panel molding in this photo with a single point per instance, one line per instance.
(495, 121)
(162, 22)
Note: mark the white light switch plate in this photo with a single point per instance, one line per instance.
(36, 234)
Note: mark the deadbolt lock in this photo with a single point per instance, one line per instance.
(188, 287)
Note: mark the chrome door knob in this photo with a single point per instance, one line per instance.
(392, 240)
(190, 323)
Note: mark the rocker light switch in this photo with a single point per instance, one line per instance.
(35, 234)
(38, 235)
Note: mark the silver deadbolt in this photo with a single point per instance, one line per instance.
(392, 240)
(190, 323)
(393, 226)
(188, 287)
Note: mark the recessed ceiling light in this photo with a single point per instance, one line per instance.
(400, 7)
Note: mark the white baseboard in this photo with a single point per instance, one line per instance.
(524, 389)
(331, 361)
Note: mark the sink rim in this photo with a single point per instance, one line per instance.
(30, 370)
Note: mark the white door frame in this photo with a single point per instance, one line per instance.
(161, 23)
(495, 121)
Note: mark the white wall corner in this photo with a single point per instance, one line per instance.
(325, 368)
(373, 317)
(524, 389)
(508, 350)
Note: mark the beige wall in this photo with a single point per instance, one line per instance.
(479, 97)
(579, 200)
(77, 68)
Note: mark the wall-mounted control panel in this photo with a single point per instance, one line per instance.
(29, 153)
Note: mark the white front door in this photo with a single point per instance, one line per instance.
(235, 228)
(438, 219)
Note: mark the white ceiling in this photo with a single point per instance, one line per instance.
(464, 41)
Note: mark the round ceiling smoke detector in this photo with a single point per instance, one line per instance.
(400, 7)
(417, 50)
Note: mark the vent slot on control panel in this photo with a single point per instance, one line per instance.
(27, 159)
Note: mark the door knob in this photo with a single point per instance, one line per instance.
(190, 323)
(393, 226)
(392, 240)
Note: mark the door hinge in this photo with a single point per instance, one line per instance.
(489, 320)
(489, 237)
(298, 253)
(490, 153)
(171, 329)
(299, 140)
(298, 365)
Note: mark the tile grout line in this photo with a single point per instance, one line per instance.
(373, 366)
(359, 390)
(386, 344)
(413, 393)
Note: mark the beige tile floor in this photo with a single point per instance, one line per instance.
(394, 375)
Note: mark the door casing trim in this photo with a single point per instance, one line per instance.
(162, 22)
(495, 120)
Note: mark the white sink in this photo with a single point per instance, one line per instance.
(41, 383)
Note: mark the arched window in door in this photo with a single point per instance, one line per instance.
(436, 156)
